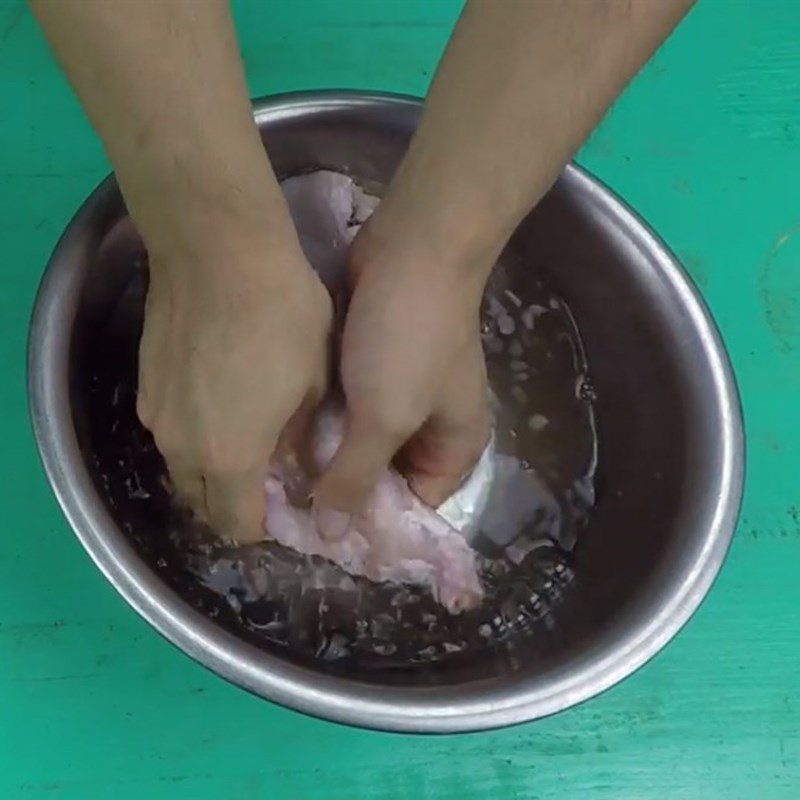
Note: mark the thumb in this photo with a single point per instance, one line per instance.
(347, 483)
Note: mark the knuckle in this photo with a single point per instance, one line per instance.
(169, 442)
(235, 508)
(144, 409)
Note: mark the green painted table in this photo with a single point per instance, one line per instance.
(706, 144)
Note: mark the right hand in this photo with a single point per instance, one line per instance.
(412, 370)
(235, 345)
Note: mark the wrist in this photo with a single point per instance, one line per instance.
(464, 206)
(412, 233)
(190, 191)
(194, 216)
(228, 253)
(454, 221)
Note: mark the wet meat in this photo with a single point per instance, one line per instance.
(397, 537)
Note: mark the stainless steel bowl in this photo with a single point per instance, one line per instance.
(669, 428)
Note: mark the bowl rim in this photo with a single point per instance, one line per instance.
(402, 709)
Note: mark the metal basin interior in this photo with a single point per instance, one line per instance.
(669, 432)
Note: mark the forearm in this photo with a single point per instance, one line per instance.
(521, 85)
(163, 86)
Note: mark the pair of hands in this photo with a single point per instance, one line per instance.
(234, 360)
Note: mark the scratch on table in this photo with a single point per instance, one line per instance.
(779, 289)
(12, 20)
(54, 678)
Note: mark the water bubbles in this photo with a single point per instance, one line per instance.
(335, 648)
(584, 389)
(519, 394)
(427, 653)
(530, 314)
(506, 325)
(537, 422)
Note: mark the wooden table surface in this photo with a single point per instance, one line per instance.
(706, 145)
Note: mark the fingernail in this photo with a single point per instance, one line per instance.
(332, 525)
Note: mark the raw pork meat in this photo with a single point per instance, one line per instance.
(397, 537)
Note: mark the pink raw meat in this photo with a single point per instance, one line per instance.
(397, 538)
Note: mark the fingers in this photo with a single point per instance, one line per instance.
(235, 503)
(445, 450)
(438, 454)
(147, 399)
(221, 494)
(212, 483)
(189, 489)
(443, 453)
(345, 486)
(331, 524)
(439, 463)
(231, 503)
(150, 391)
